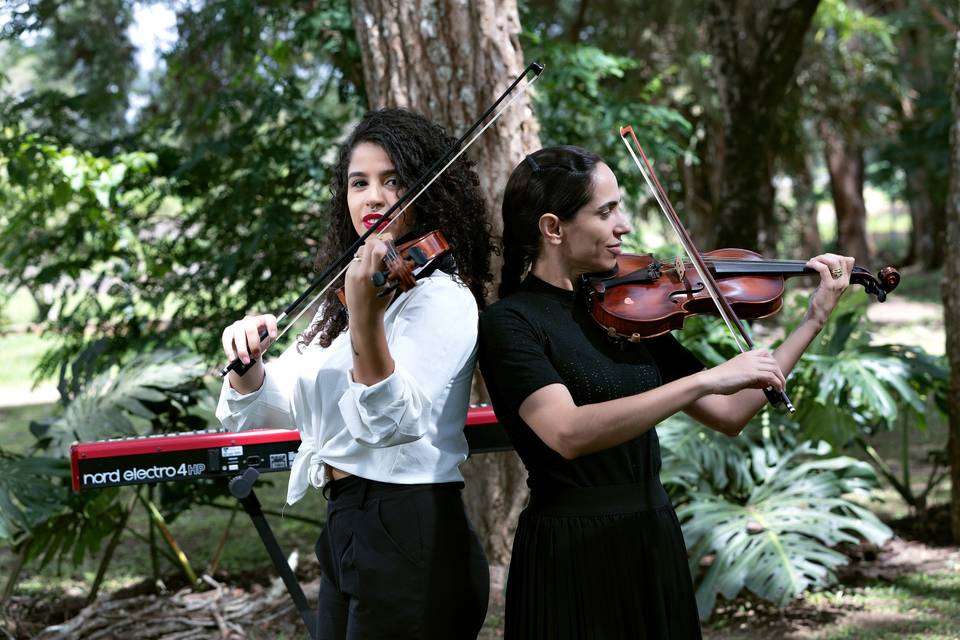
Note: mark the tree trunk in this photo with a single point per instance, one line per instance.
(845, 164)
(951, 301)
(702, 184)
(924, 196)
(806, 211)
(450, 61)
(756, 46)
(921, 208)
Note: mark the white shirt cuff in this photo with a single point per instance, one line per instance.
(387, 413)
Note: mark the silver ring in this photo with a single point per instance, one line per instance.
(837, 273)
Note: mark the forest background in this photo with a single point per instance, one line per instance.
(153, 192)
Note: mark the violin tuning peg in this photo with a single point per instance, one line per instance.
(378, 279)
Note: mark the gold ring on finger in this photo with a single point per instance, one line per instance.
(837, 273)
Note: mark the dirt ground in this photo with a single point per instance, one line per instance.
(248, 607)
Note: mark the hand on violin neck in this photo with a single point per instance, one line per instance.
(363, 303)
(834, 273)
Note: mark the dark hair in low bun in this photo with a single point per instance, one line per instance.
(556, 180)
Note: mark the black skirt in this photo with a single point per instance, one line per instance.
(600, 562)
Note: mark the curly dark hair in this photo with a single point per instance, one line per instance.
(452, 204)
(554, 179)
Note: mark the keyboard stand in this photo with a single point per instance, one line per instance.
(242, 489)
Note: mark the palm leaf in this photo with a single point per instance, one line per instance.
(116, 401)
(29, 492)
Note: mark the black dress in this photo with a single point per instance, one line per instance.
(598, 552)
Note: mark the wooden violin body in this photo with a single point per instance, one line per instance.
(401, 261)
(644, 297)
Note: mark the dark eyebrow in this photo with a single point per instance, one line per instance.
(363, 174)
(607, 205)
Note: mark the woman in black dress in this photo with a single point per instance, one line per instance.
(599, 552)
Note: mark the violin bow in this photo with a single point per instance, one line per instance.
(740, 335)
(339, 266)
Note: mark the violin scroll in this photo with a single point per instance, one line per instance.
(886, 281)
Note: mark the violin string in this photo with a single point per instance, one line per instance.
(396, 216)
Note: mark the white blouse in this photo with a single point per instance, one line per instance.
(405, 429)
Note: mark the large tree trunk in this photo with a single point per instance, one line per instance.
(951, 301)
(805, 198)
(845, 164)
(921, 208)
(926, 211)
(702, 184)
(756, 45)
(450, 61)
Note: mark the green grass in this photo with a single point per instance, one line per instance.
(21, 353)
(20, 308)
(913, 606)
(15, 422)
(916, 605)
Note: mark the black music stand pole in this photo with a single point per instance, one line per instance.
(242, 489)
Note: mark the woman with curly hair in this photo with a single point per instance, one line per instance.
(379, 392)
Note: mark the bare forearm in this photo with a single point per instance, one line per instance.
(740, 407)
(372, 361)
(594, 427)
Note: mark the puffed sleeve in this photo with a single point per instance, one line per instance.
(268, 406)
(513, 357)
(433, 338)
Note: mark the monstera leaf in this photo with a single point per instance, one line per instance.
(779, 543)
(764, 513)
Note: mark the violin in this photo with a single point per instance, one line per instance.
(643, 297)
(707, 275)
(401, 263)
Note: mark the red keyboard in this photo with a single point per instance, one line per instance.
(215, 454)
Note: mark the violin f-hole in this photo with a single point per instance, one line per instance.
(687, 293)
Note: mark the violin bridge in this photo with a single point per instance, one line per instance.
(678, 265)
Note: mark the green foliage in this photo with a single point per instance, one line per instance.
(41, 515)
(71, 235)
(770, 507)
(206, 210)
(589, 92)
(843, 386)
(44, 519)
(131, 400)
(29, 491)
(767, 511)
(83, 66)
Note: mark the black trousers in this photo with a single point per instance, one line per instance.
(399, 561)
